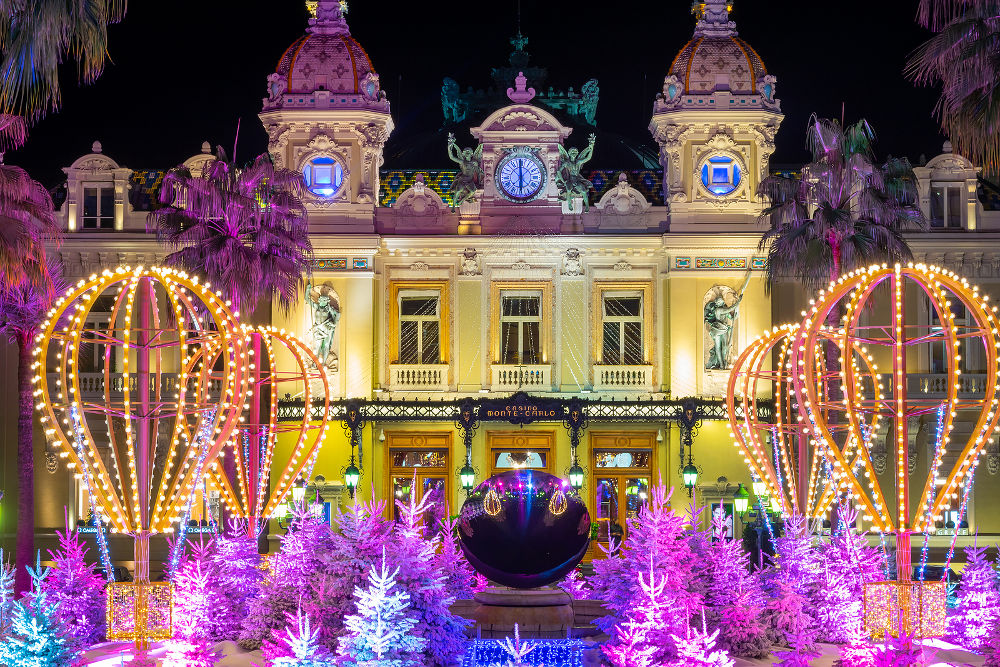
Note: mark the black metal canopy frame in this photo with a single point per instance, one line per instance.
(520, 408)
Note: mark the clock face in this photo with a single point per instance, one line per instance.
(520, 176)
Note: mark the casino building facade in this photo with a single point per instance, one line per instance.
(506, 314)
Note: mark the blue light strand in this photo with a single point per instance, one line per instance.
(961, 517)
(776, 455)
(204, 435)
(102, 538)
(929, 500)
(548, 652)
(866, 435)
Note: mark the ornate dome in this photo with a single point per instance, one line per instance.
(325, 68)
(717, 60)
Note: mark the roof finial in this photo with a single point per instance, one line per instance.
(713, 17)
(520, 93)
(328, 17)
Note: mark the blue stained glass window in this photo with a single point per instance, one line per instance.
(721, 175)
(323, 176)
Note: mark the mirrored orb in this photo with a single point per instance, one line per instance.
(524, 528)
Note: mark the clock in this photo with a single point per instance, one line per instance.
(520, 175)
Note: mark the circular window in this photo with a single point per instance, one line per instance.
(721, 175)
(323, 176)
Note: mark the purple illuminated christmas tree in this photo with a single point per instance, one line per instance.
(295, 571)
(459, 575)
(975, 621)
(698, 649)
(362, 531)
(576, 585)
(734, 601)
(383, 633)
(77, 591)
(421, 577)
(238, 578)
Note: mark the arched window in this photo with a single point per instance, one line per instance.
(721, 175)
(323, 176)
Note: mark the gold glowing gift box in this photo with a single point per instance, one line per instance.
(140, 611)
(909, 607)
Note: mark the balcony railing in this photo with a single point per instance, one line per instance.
(418, 377)
(623, 378)
(512, 377)
(935, 385)
(92, 384)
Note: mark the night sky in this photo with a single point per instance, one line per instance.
(186, 71)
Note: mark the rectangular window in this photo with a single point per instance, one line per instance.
(419, 327)
(622, 344)
(946, 206)
(520, 327)
(98, 207)
(954, 208)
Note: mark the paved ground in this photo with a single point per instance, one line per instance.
(116, 654)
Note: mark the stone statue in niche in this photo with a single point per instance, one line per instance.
(470, 176)
(571, 183)
(722, 309)
(325, 309)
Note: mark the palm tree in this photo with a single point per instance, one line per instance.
(963, 57)
(27, 289)
(842, 212)
(244, 229)
(37, 36)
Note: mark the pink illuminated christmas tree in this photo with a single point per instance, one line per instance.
(978, 614)
(658, 534)
(698, 649)
(846, 564)
(644, 634)
(196, 600)
(77, 591)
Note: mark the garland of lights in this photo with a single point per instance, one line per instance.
(808, 391)
(257, 505)
(961, 518)
(102, 538)
(152, 313)
(204, 437)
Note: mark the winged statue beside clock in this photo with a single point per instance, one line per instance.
(520, 175)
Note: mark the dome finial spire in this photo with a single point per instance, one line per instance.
(713, 17)
(328, 17)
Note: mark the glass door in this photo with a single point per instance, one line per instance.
(622, 465)
(430, 468)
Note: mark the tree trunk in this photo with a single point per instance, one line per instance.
(24, 551)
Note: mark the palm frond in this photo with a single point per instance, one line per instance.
(843, 211)
(243, 228)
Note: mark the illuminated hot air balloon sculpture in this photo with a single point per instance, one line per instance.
(831, 401)
(285, 365)
(140, 378)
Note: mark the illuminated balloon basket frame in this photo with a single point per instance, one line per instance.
(831, 400)
(140, 376)
(286, 366)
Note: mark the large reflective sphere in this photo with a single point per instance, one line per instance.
(524, 528)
